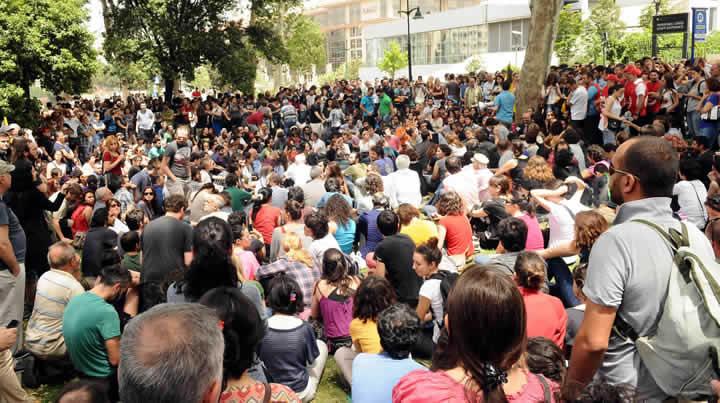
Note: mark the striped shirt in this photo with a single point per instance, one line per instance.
(44, 335)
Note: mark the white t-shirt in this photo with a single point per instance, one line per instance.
(464, 185)
(319, 246)
(579, 102)
(299, 173)
(404, 187)
(640, 89)
(146, 120)
(562, 223)
(430, 289)
(691, 197)
(482, 176)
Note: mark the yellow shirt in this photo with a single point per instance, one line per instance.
(365, 336)
(420, 231)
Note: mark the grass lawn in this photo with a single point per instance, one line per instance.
(329, 390)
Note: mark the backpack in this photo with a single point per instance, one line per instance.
(682, 353)
(447, 282)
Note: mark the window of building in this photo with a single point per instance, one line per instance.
(712, 19)
(436, 47)
(355, 32)
(502, 39)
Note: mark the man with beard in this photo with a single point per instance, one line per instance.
(91, 325)
(176, 163)
(629, 270)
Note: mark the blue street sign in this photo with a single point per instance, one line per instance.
(699, 24)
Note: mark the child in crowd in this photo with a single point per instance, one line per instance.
(575, 314)
(130, 243)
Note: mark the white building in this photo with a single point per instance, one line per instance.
(495, 31)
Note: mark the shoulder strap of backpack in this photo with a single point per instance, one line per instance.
(268, 393)
(545, 387)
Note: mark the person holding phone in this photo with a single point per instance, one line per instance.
(10, 388)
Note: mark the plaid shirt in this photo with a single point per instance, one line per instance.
(305, 276)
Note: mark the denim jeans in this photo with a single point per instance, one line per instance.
(563, 287)
(693, 122)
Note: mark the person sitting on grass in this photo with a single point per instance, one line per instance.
(375, 375)
(292, 355)
(243, 330)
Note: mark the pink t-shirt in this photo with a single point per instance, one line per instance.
(416, 386)
(248, 261)
(535, 240)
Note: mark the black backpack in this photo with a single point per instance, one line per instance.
(447, 282)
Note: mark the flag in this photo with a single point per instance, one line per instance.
(5, 121)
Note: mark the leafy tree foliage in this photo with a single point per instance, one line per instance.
(180, 35)
(603, 33)
(570, 27)
(305, 44)
(393, 59)
(43, 40)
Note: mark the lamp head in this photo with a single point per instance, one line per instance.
(418, 14)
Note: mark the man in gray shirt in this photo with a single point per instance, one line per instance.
(176, 162)
(628, 271)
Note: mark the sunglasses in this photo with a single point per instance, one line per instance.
(148, 193)
(612, 170)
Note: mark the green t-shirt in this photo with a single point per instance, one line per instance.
(239, 198)
(131, 262)
(87, 322)
(385, 104)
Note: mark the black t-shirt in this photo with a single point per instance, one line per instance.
(164, 243)
(314, 108)
(396, 252)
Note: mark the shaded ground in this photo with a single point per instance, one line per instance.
(329, 390)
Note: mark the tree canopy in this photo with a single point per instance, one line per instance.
(570, 27)
(393, 59)
(305, 44)
(180, 35)
(43, 40)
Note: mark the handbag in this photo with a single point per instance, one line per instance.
(79, 239)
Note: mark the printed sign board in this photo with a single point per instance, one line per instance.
(670, 23)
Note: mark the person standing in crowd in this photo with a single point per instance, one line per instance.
(578, 103)
(167, 242)
(629, 270)
(176, 163)
(505, 104)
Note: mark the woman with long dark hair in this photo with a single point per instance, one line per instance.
(332, 298)
(211, 266)
(473, 364)
(342, 224)
(243, 330)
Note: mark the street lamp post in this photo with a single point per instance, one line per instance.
(517, 47)
(418, 16)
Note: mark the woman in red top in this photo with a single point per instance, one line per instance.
(546, 314)
(82, 214)
(265, 217)
(113, 158)
(454, 228)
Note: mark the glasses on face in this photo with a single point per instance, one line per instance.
(114, 205)
(148, 193)
(612, 170)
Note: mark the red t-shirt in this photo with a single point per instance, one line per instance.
(653, 105)
(256, 118)
(459, 235)
(266, 221)
(117, 170)
(630, 97)
(546, 316)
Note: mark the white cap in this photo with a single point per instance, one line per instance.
(481, 158)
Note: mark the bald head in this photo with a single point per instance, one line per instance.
(104, 194)
(172, 353)
(61, 256)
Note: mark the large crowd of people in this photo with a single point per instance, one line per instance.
(439, 243)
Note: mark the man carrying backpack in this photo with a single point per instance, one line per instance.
(631, 274)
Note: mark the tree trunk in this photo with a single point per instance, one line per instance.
(169, 86)
(543, 27)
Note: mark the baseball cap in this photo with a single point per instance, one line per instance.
(612, 77)
(630, 69)
(481, 158)
(6, 167)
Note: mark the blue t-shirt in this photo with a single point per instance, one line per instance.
(372, 385)
(15, 233)
(367, 102)
(592, 93)
(505, 101)
(345, 236)
(710, 124)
